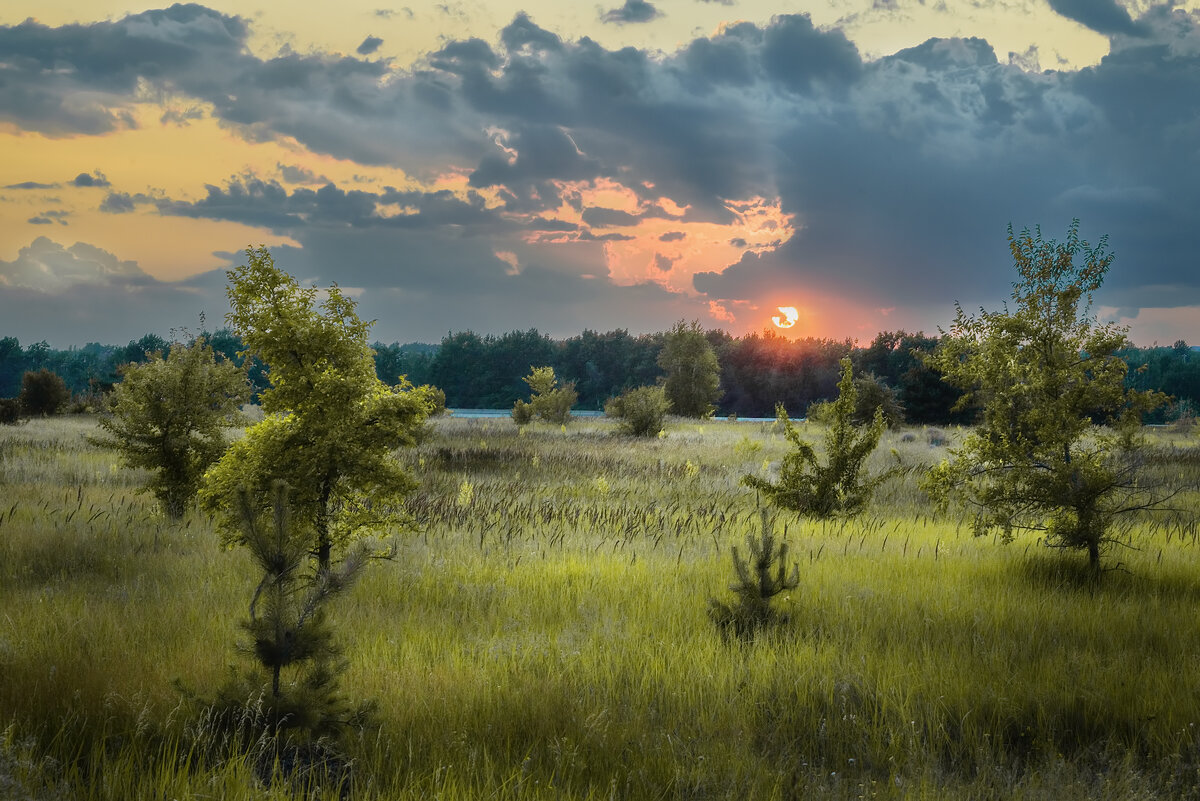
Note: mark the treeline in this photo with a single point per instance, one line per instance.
(757, 370)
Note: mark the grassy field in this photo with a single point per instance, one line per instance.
(544, 635)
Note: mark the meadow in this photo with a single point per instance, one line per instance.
(542, 633)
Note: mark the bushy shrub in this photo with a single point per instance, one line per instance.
(547, 400)
(43, 393)
(10, 411)
(522, 413)
(874, 394)
(642, 411)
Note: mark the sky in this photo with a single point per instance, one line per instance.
(499, 165)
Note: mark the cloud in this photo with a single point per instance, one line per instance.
(369, 45)
(901, 172)
(32, 185)
(96, 178)
(51, 216)
(82, 293)
(46, 266)
(634, 11)
(124, 203)
(1102, 16)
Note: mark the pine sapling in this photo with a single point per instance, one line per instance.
(759, 579)
(288, 626)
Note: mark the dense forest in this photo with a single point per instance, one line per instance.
(757, 370)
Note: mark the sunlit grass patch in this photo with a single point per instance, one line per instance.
(548, 638)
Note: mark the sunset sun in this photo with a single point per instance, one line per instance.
(787, 317)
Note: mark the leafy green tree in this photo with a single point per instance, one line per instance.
(872, 394)
(1045, 373)
(43, 393)
(693, 375)
(642, 411)
(168, 416)
(330, 425)
(547, 400)
(837, 487)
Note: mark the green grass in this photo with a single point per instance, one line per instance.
(545, 636)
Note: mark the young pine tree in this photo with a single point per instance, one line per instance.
(836, 487)
(291, 637)
(759, 579)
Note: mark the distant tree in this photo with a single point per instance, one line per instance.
(1045, 373)
(836, 487)
(642, 411)
(43, 393)
(12, 366)
(872, 394)
(10, 411)
(693, 374)
(330, 426)
(142, 350)
(168, 415)
(547, 400)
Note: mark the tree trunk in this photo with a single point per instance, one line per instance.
(1093, 549)
(324, 545)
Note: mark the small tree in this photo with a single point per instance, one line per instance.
(692, 383)
(330, 426)
(759, 579)
(10, 411)
(288, 627)
(836, 487)
(642, 411)
(43, 393)
(1044, 374)
(547, 400)
(168, 416)
(874, 394)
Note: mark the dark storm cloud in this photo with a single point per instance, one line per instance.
(634, 11)
(608, 218)
(797, 55)
(522, 32)
(1102, 16)
(369, 45)
(254, 201)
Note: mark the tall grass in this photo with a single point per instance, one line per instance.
(545, 636)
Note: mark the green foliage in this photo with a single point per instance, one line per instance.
(873, 394)
(836, 487)
(43, 393)
(168, 416)
(642, 411)
(330, 426)
(10, 411)
(1045, 373)
(522, 413)
(692, 382)
(547, 401)
(759, 579)
(289, 629)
